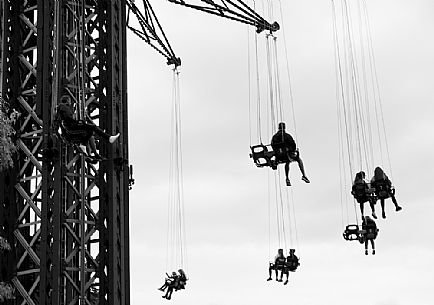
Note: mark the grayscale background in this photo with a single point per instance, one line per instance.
(226, 195)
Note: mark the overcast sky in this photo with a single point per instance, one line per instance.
(226, 195)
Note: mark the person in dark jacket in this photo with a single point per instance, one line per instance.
(79, 129)
(279, 264)
(181, 280)
(292, 263)
(362, 193)
(286, 151)
(169, 279)
(370, 231)
(383, 189)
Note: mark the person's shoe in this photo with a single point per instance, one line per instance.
(280, 280)
(269, 279)
(304, 178)
(383, 215)
(112, 139)
(91, 160)
(168, 298)
(160, 289)
(374, 215)
(286, 282)
(288, 183)
(96, 156)
(373, 252)
(163, 296)
(398, 208)
(83, 148)
(366, 252)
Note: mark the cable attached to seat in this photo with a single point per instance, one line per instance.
(176, 256)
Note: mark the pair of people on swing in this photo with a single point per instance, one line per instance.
(174, 282)
(286, 151)
(380, 186)
(82, 131)
(284, 264)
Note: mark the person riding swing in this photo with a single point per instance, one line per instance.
(292, 263)
(174, 282)
(286, 151)
(370, 232)
(279, 264)
(362, 193)
(383, 189)
(77, 131)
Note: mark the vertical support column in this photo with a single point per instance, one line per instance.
(114, 234)
(125, 211)
(22, 197)
(50, 271)
(2, 43)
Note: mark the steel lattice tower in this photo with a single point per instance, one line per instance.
(65, 218)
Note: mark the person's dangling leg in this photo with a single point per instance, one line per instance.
(169, 293)
(92, 146)
(382, 208)
(373, 246)
(287, 277)
(397, 207)
(372, 204)
(270, 268)
(362, 205)
(100, 132)
(301, 166)
(366, 246)
(162, 288)
(288, 182)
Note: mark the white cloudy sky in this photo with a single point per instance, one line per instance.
(225, 195)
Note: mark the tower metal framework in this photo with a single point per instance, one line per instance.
(65, 218)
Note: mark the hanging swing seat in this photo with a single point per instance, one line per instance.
(352, 232)
(74, 136)
(264, 155)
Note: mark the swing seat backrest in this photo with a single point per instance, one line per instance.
(351, 232)
(261, 155)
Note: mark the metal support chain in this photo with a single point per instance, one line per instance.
(232, 9)
(151, 31)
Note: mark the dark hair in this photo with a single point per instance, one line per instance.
(359, 176)
(281, 126)
(378, 173)
(65, 99)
